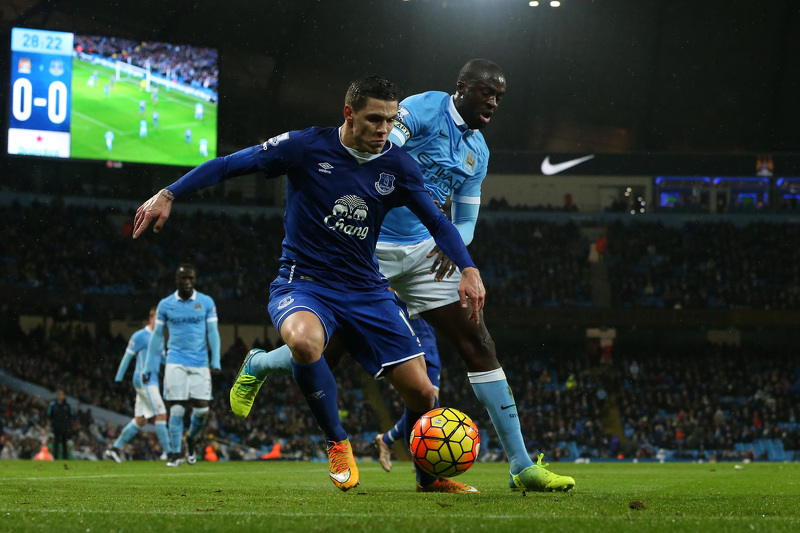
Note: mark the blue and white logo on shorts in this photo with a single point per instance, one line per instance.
(385, 184)
(286, 301)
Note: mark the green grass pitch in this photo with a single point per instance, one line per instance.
(93, 114)
(298, 496)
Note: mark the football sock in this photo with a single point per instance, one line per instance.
(176, 413)
(127, 433)
(493, 391)
(277, 361)
(197, 421)
(396, 432)
(318, 386)
(163, 435)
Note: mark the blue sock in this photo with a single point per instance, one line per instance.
(128, 432)
(163, 435)
(493, 391)
(318, 386)
(176, 427)
(397, 431)
(197, 421)
(278, 361)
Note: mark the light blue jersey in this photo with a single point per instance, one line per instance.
(192, 325)
(453, 160)
(137, 347)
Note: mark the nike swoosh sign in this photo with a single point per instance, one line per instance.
(341, 477)
(548, 169)
(504, 407)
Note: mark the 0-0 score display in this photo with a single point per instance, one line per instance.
(41, 73)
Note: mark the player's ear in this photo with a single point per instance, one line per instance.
(348, 113)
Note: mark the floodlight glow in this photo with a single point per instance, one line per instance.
(555, 3)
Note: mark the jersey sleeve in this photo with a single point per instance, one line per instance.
(413, 116)
(269, 157)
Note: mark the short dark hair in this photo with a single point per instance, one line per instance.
(369, 87)
(477, 69)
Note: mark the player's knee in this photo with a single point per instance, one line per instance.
(177, 410)
(200, 412)
(305, 350)
(139, 421)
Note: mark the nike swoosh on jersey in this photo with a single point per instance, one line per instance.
(504, 407)
(548, 168)
(341, 477)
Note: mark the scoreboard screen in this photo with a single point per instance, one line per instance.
(111, 99)
(41, 78)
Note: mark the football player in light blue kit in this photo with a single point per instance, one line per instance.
(191, 318)
(341, 182)
(149, 403)
(442, 133)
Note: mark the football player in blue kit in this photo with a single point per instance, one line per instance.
(149, 403)
(341, 182)
(442, 133)
(191, 318)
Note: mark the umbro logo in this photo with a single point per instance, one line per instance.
(318, 395)
(325, 168)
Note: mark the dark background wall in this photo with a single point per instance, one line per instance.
(603, 76)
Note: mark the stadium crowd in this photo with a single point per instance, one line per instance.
(703, 401)
(525, 262)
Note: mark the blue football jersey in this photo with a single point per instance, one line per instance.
(187, 322)
(335, 204)
(137, 348)
(453, 158)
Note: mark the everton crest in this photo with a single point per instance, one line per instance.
(385, 184)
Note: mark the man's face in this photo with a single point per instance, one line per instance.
(372, 124)
(184, 281)
(478, 99)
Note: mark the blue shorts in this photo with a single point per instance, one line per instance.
(374, 328)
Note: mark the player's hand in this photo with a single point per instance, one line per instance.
(158, 207)
(471, 287)
(445, 266)
(216, 371)
(145, 378)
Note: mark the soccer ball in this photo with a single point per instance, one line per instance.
(445, 442)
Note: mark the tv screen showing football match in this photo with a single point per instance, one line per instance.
(112, 99)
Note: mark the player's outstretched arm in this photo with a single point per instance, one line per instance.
(471, 286)
(156, 208)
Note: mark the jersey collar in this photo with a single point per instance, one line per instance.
(192, 297)
(363, 157)
(460, 124)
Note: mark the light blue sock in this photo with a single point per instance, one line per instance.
(163, 435)
(198, 421)
(278, 361)
(128, 432)
(493, 391)
(176, 413)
